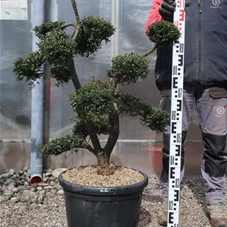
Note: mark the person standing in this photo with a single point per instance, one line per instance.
(205, 84)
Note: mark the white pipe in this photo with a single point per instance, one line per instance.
(36, 160)
(115, 23)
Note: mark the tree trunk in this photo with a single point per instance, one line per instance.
(104, 166)
(103, 159)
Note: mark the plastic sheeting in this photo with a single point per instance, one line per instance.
(130, 36)
(15, 98)
(15, 41)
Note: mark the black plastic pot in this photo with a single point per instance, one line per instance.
(103, 207)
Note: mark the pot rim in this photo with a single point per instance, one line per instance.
(98, 190)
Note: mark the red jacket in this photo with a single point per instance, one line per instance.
(154, 15)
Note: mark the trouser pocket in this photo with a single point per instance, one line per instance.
(217, 92)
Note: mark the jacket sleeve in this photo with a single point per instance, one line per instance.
(154, 15)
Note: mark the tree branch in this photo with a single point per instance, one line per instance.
(76, 83)
(150, 51)
(115, 82)
(68, 25)
(89, 148)
(94, 139)
(74, 76)
(114, 133)
(75, 11)
(75, 34)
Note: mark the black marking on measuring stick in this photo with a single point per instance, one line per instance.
(176, 117)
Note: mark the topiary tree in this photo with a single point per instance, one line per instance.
(99, 103)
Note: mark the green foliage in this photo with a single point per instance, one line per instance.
(152, 117)
(131, 105)
(93, 102)
(63, 144)
(128, 68)
(80, 129)
(156, 120)
(58, 49)
(61, 72)
(163, 33)
(42, 30)
(57, 45)
(94, 30)
(29, 68)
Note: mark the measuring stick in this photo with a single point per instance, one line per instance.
(176, 117)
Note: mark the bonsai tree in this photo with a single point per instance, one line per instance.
(98, 104)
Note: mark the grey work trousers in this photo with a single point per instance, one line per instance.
(212, 114)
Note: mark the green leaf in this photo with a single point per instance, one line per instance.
(163, 33)
(94, 101)
(63, 144)
(156, 119)
(29, 68)
(129, 68)
(58, 48)
(42, 30)
(93, 32)
(152, 117)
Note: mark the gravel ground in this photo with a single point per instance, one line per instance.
(193, 203)
(47, 209)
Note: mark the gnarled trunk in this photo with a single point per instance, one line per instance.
(103, 159)
(104, 165)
